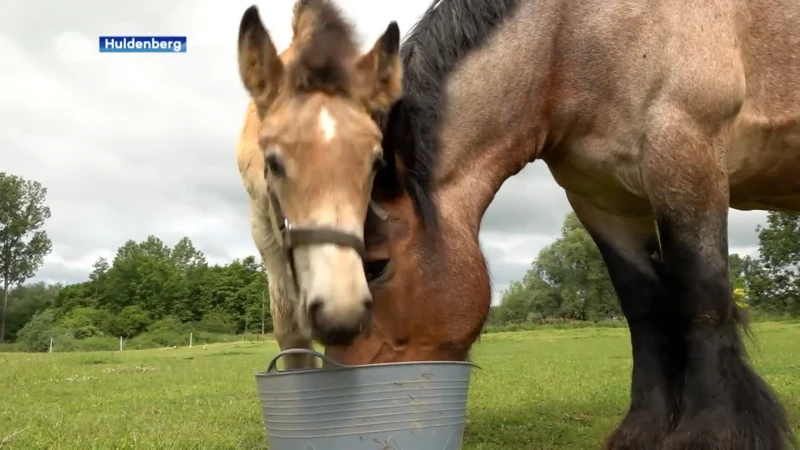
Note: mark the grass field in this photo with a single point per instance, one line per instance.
(546, 389)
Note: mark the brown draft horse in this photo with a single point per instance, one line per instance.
(308, 153)
(655, 118)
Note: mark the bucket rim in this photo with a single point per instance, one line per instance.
(334, 366)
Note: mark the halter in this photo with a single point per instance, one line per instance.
(290, 236)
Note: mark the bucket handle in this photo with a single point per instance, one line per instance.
(273, 365)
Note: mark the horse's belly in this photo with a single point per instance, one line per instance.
(764, 162)
(763, 168)
(602, 172)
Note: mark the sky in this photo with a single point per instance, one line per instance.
(130, 145)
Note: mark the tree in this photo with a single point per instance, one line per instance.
(186, 256)
(148, 288)
(568, 279)
(23, 244)
(747, 273)
(27, 300)
(516, 304)
(585, 288)
(144, 274)
(776, 284)
(738, 267)
(36, 334)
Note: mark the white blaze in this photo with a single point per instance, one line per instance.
(327, 124)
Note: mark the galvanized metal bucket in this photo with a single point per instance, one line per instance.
(394, 406)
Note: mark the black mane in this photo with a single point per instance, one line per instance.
(447, 32)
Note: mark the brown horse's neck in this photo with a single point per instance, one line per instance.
(437, 296)
(465, 191)
(472, 172)
(490, 132)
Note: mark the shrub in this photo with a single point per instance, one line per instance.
(35, 335)
(85, 322)
(132, 320)
(170, 324)
(216, 321)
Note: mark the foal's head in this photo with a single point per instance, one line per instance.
(321, 151)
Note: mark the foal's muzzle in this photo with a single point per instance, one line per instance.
(291, 236)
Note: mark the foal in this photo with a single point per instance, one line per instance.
(307, 154)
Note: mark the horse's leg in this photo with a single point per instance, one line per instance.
(724, 404)
(281, 302)
(629, 247)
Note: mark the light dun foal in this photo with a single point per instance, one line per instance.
(307, 154)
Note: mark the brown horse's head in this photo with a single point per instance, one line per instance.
(429, 277)
(427, 272)
(321, 151)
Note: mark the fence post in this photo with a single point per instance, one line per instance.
(50, 350)
(191, 339)
(120, 343)
(263, 301)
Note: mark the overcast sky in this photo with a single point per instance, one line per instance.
(135, 144)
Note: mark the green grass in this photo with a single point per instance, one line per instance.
(544, 389)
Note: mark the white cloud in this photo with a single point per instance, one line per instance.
(73, 47)
(136, 144)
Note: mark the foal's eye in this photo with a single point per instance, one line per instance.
(275, 165)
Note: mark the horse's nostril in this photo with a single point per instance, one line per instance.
(368, 303)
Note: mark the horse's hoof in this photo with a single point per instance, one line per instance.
(724, 430)
(639, 431)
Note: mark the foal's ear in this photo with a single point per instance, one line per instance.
(380, 71)
(260, 66)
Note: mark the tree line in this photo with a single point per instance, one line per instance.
(150, 294)
(568, 280)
